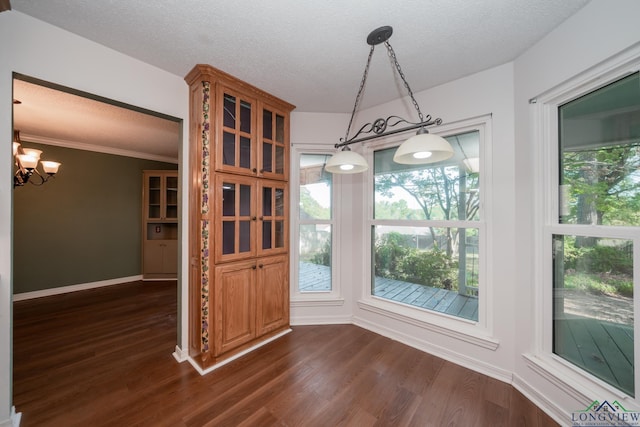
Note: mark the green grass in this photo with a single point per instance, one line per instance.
(600, 284)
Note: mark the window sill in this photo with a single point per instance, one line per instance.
(460, 329)
(570, 380)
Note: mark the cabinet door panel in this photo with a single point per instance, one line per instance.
(235, 218)
(234, 306)
(153, 257)
(272, 305)
(273, 142)
(236, 150)
(273, 216)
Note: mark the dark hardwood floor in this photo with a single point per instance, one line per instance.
(103, 358)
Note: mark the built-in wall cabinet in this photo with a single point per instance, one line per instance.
(160, 224)
(239, 215)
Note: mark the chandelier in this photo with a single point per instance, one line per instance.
(26, 161)
(421, 148)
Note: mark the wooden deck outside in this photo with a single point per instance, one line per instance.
(316, 278)
(603, 348)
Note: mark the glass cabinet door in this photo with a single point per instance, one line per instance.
(170, 197)
(154, 197)
(235, 217)
(274, 162)
(235, 150)
(273, 233)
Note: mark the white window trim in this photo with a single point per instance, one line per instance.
(479, 333)
(544, 133)
(322, 298)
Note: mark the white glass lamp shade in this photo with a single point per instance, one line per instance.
(33, 153)
(50, 167)
(423, 148)
(27, 161)
(346, 161)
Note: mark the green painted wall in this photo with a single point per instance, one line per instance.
(82, 226)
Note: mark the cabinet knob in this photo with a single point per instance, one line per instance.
(255, 170)
(253, 218)
(254, 267)
(261, 266)
(261, 218)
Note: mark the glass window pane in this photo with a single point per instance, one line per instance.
(267, 152)
(279, 234)
(228, 237)
(279, 159)
(228, 148)
(593, 306)
(228, 199)
(427, 267)
(245, 116)
(245, 152)
(267, 125)
(314, 272)
(229, 116)
(245, 236)
(279, 201)
(600, 156)
(266, 234)
(279, 128)
(245, 200)
(315, 187)
(266, 201)
(447, 190)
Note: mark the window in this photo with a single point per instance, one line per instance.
(594, 239)
(315, 225)
(426, 230)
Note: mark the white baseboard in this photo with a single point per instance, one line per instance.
(540, 401)
(14, 419)
(321, 320)
(441, 352)
(235, 356)
(73, 288)
(180, 355)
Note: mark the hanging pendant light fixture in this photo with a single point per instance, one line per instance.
(421, 148)
(26, 161)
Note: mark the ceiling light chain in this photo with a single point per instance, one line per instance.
(392, 55)
(362, 83)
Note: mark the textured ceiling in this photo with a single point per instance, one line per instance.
(312, 54)
(56, 117)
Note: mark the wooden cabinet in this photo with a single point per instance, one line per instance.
(239, 215)
(160, 225)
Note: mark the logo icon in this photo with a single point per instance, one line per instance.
(605, 414)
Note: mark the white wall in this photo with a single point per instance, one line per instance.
(598, 31)
(36, 49)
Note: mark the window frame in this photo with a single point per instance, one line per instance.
(480, 332)
(334, 296)
(545, 130)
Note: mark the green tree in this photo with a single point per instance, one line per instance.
(443, 193)
(604, 187)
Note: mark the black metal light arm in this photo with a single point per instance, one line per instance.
(379, 128)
